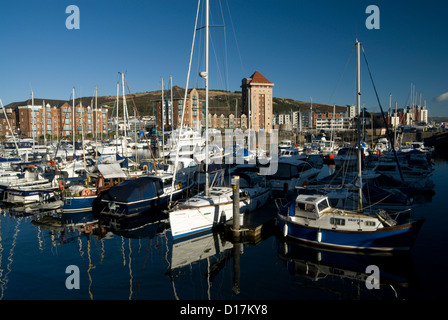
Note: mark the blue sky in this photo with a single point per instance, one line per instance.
(306, 48)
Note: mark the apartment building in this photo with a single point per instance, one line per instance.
(39, 118)
(257, 101)
(172, 109)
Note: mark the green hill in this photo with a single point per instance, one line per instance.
(220, 102)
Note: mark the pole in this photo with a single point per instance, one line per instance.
(94, 127)
(311, 114)
(163, 125)
(207, 189)
(124, 145)
(171, 101)
(73, 121)
(358, 104)
(395, 125)
(236, 207)
(10, 128)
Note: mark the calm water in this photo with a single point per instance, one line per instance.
(145, 264)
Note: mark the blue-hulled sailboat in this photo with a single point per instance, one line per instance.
(310, 218)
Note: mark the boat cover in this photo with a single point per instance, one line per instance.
(111, 170)
(143, 188)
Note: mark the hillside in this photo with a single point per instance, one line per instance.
(220, 102)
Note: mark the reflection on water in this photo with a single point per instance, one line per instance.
(344, 274)
(144, 263)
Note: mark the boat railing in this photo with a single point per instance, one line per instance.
(282, 205)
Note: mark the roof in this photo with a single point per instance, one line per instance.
(257, 77)
(37, 102)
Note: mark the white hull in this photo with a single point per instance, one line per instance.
(200, 213)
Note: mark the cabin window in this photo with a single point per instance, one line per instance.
(370, 223)
(305, 206)
(322, 205)
(337, 221)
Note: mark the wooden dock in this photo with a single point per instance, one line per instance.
(255, 227)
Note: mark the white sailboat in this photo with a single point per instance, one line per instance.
(214, 205)
(120, 145)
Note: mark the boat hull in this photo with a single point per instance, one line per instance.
(129, 209)
(193, 220)
(395, 238)
(78, 204)
(17, 196)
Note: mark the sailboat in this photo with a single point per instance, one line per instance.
(214, 205)
(310, 218)
(121, 145)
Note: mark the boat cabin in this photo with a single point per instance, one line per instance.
(285, 144)
(291, 152)
(310, 206)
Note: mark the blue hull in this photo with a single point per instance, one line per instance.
(400, 237)
(130, 209)
(78, 204)
(143, 206)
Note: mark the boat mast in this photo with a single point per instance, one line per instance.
(33, 116)
(10, 128)
(358, 105)
(171, 101)
(82, 136)
(124, 145)
(73, 120)
(206, 96)
(44, 115)
(118, 122)
(396, 125)
(181, 120)
(94, 127)
(163, 125)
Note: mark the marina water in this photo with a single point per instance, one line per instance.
(145, 264)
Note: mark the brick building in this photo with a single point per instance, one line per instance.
(54, 118)
(257, 101)
(194, 110)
